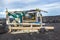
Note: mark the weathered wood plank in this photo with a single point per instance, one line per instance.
(31, 28)
(26, 23)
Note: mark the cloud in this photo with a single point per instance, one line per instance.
(20, 4)
(44, 6)
(52, 8)
(21, 1)
(52, 5)
(2, 15)
(48, 7)
(13, 5)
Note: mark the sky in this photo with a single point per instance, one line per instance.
(52, 6)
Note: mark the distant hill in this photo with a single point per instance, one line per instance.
(3, 20)
(46, 19)
(51, 19)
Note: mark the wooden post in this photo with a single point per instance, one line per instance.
(7, 17)
(40, 18)
(7, 20)
(9, 29)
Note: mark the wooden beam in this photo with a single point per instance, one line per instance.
(26, 23)
(31, 28)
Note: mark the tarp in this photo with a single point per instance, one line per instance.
(14, 15)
